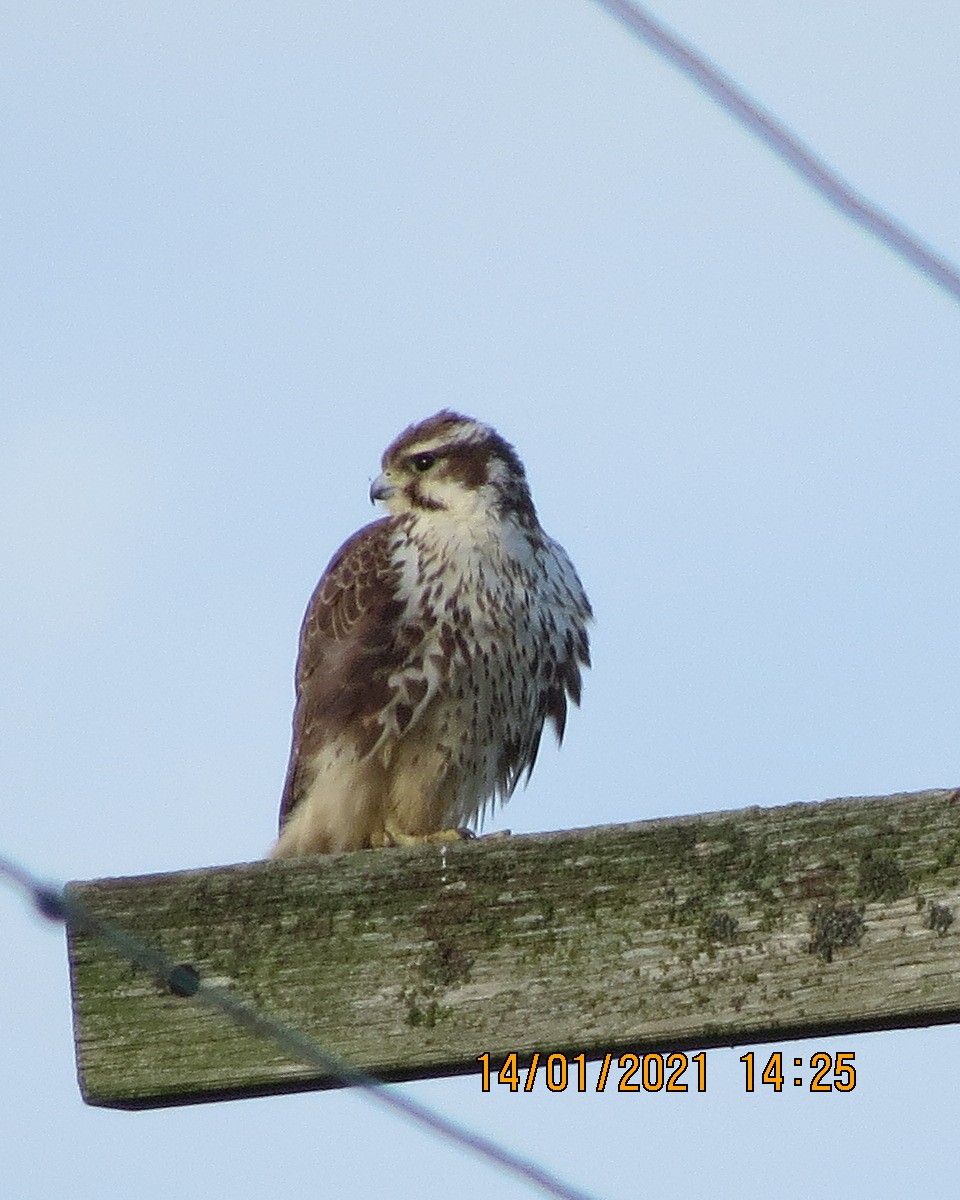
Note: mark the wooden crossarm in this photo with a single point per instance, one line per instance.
(696, 931)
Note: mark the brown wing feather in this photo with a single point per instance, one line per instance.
(349, 645)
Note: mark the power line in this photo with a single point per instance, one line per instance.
(56, 904)
(822, 178)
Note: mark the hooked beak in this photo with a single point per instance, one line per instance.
(381, 489)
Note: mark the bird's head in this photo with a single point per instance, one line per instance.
(454, 464)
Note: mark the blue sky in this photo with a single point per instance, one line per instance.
(241, 249)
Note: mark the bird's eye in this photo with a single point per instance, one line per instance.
(423, 462)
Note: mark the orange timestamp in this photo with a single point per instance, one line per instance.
(828, 1072)
(671, 1072)
(624, 1073)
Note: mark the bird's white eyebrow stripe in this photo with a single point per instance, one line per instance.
(440, 446)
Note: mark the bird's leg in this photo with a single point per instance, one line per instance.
(395, 837)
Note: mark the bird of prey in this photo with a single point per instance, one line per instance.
(436, 645)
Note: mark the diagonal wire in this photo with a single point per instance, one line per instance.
(822, 178)
(57, 904)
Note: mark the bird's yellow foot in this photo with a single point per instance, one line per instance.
(394, 837)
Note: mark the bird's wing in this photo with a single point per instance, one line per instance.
(352, 640)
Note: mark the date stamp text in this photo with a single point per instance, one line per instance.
(676, 1071)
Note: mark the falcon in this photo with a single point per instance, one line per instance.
(438, 642)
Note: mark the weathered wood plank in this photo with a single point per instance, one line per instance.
(699, 931)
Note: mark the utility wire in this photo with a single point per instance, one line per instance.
(787, 145)
(56, 904)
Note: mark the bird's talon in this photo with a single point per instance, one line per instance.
(394, 837)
